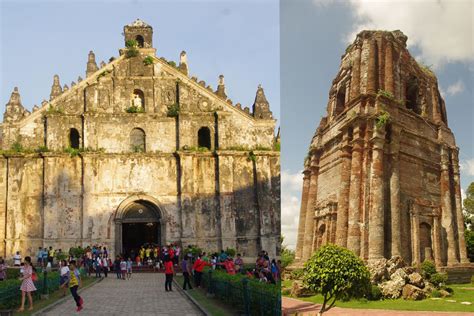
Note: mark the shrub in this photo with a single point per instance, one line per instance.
(435, 293)
(132, 52)
(252, 156)
(439, 279)
(42, 149)
(131, 43)
(138, 149)
(172, 63)
(230, 252)
(386, 94)
(72, 151)
(135, 109)
(448, 289)
(277, 147)
(336, 272)
(287, 257)
(297, 274)
(17, 147)
(148, 60)
(428, 268)
(194, 250)
(382, 119)
(76, 252)
(173, 110)
(375, 293)
(13, 273)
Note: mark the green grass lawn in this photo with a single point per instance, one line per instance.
(462, 293)
(213, 306)
(53, 297)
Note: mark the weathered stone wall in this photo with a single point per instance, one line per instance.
(60, 201)
(223, 196)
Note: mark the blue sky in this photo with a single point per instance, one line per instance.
(239, 39)
(314, 35)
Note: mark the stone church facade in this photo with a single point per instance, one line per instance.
(382, 173)
(139, 148)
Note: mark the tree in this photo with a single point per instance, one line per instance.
(287, 255)
(468, 204)
(336, 272)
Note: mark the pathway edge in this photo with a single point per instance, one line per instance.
(62, 299)
(201, 308)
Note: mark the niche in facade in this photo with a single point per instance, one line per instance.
(137, 140)
(74, 138)
(204, 137)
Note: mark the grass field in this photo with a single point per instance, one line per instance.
(213, 306)
(53, 297)
(462, 293)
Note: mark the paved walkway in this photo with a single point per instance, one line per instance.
(144, 294)
(293, 306)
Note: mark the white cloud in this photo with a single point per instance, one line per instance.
(441, 29)
(290, 206)
(456, 88)
(468, 166)
(292, 180)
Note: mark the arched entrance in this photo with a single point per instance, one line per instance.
(138, 221)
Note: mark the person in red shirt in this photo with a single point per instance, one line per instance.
(198, 266)
(229, 266)
(169, 271)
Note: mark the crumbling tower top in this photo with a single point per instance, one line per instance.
(377, 64)
(140, 32)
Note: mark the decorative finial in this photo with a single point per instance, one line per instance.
(221, 88)
(183, 63)
(56, 89)
(91, 64)
(14, 110)
(261, 107)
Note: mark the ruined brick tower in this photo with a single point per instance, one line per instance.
(382, 173)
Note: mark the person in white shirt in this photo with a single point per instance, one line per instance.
(105, 265)
(17, 259)
(64, 276)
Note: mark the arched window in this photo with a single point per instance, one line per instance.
(138, 99)
(340, 101)
(139, 40)
(204, 137)
(412, 95)
(74, 138)
(137, 140)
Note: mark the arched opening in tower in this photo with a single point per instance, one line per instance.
(140, 41)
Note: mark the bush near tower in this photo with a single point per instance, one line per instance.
(336, 273)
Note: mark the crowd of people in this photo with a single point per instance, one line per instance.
(96, 260)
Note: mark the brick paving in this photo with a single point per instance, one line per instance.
(144, 294)
(293, 307)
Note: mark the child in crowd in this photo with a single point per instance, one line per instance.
(117, 267)
(74, 283)
(63, 276)
(27, 285)
(123, 268)
(129, 268)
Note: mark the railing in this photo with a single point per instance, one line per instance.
(246, 296)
